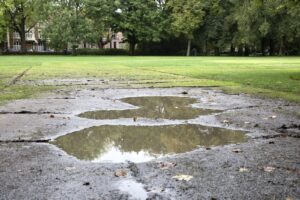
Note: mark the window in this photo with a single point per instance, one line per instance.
(29, 34)
(16, 35)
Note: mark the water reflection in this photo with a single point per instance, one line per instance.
(142, 143)
(154, 108)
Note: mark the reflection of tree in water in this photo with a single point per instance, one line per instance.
(91, 143)
(153, 107)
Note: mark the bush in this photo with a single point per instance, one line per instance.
(102, 52)
(78, 52)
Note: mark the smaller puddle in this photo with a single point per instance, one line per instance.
(119, 144)
(154, 108)
(134, 189)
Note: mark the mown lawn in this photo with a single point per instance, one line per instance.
(273, 77)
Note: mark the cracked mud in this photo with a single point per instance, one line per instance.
(266, 166)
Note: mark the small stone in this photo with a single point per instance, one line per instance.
(167, 165)
(237, 150)
(182, 177)
(86, 183)
(269, 169)
(244, 169)
(52, 116)
(135, 119)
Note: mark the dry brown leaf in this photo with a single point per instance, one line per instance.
(120, 173)
(225, 121)
(70, 168)
(244, 169)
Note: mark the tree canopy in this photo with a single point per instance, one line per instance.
(238, 27)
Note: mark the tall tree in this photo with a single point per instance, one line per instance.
(138, 21)
(187, 17)
(66, 23)
(21, 16)
(100, 13)
(2, 25)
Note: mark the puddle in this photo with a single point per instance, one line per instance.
(154, 108)
(142, 143)
(134, 189)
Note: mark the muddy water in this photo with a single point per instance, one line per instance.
(142, 143)
(154, 108)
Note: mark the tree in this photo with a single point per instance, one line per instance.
(100, 12)
(186, 16)
(2, 25)
(138, 20)
(66, 23)
(21, 16)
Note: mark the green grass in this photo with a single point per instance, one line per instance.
(275, 77)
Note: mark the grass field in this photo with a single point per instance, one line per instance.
(274, 77)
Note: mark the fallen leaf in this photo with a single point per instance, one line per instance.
(269, 169)
(225, 121)
(274, 117)
(289, 198)
(135, 119)
(247, 122)
(184, 92)
(70, 168)
(244, 169)
(155, 190)
(182, 177)
(167, 165)
(120, 173)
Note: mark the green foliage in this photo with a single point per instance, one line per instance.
(21, 16)
(2, 25)
(68, 24)
(138, 21)
(186, 16)
(102, 52)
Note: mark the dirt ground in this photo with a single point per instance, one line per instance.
(267, 166)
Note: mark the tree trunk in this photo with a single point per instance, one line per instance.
(188, 52)
(272, 47)
(217, 51)
(23, 36)
(263, 46)
(240, 50)
(132, 48)
(232, 50)
(74, 52)
(247, 50)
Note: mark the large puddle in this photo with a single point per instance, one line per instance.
(142, 143)
(154, 108)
